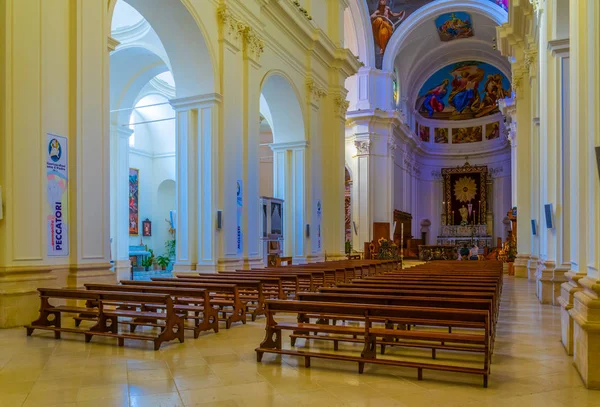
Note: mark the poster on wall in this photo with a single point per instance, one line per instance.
(239, 203)
(319, 225)
(57, 174)
(134, 183)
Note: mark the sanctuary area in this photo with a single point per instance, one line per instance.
(299, 202)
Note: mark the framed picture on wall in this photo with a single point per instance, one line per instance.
(147, 228)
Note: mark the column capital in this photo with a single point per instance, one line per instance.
(121, 131)
(559, 48)
(314, 92)
(196, 102)
(363, 147)
(289, 145)
(112, 43)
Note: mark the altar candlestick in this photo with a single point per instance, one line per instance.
(480, 212)
(452, 217)
(474, 216)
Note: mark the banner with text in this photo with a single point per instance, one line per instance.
(57, 175)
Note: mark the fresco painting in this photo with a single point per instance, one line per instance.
(492, 131)
(453, 26)
(467, 135)
(462, 91)
(386, 17)
(441, 136)
(424, 133)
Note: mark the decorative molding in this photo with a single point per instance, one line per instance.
(495, 171)
(196, 102)
(254, 46)
(290, 145)
(112, 43)
(537, 6)
(516, 82)
(232, 29)
(132, 33)
(315, 92)
(559, 48)
(302, 10)
(530, 58)
(363, 147)
(392, 145)
(341, 105)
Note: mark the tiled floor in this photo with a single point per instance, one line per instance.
(530, 369)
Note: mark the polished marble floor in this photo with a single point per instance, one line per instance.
(530, 368)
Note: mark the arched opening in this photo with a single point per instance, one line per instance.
(283, 124)
(265, 155)
(162, 55)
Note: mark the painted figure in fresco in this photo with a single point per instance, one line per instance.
(494, 133)
(464, 87)
(383, 27)
(455, 28)
(434, 99)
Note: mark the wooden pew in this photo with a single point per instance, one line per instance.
(238, 306)
(251, 291)
(272, 286)
(362, 298)
(373, 314)
(107, 316)
(187, 302)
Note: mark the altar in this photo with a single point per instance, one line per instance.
(458, 235)
(439, 252)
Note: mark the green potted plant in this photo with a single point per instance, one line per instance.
(348, 247)
(148, 261)
(163, 262)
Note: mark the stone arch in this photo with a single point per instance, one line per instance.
(285, 113)
(185, 41)
(432, 10)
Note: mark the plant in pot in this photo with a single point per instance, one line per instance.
(348, 247)
(163, 262)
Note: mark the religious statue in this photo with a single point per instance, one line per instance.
(464, 213)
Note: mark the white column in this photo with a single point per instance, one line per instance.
(197, 174)
(289, 184)
(119, 191)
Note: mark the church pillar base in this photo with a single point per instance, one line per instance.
(568, 290)
(19, 298)
(122, 270)
(230, 264)
(505, 268)
(544, 284)
(586, 333)
(255, 263)
(183, 267)
(521, 265)
(335, 256)
(80, 274)
(532, 268)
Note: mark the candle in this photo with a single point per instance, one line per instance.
(452, 218)
(480, 212)
(474, 216)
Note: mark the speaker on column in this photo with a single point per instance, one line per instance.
(307, 230)
(219, 219)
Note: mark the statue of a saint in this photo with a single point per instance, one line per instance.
(464, 213)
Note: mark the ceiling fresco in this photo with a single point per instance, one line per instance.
(453, 26)
(462, 91)
(388, 15)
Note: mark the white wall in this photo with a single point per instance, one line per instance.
(266, 160)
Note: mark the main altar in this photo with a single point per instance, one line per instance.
(465, 216)
(457, 235)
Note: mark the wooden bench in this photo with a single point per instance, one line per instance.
(435, 302)
(384, 314)
(189, 303)
(238, 306)
(251, 291)
(108, 315)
